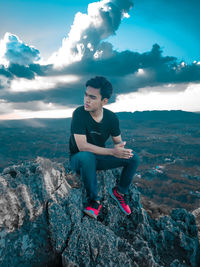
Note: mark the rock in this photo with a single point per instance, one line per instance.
(25, 191)
(196, 214)
(42, 224)
(93, 244)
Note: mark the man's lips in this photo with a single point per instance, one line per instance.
(86, 105)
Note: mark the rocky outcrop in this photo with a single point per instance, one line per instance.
(196, 214)
(42, 224)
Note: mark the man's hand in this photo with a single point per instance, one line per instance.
(121, 144)
(120, 152)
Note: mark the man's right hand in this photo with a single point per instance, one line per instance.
(120, 152)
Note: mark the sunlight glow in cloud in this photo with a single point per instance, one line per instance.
(155, 98)
(140, 72)
(56, 113)
(45, 110)
(87, 31)
(41, 83)
(24, 114)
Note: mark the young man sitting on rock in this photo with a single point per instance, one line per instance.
(91, 126)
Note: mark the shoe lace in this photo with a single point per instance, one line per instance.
(123, 199)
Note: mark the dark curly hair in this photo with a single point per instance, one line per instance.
(103, 84)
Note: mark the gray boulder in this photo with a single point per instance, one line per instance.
(42, 223)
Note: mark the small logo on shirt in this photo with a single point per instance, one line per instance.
(94, 132)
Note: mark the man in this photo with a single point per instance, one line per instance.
(91, 126)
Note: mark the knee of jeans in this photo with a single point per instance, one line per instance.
(135, 159)
(87, 157)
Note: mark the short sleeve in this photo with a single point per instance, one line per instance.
(78, 122)
(115, 130)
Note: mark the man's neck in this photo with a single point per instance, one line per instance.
(97, 114)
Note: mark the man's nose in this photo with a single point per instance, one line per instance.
(87, 99)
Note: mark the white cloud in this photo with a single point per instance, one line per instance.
(56, 113)
(158, 98)
(8, 111)
(13, 50)
(4, 82)
(196, 62)
(88, 30)
(5, 107)
(152, 99)
(41, 83)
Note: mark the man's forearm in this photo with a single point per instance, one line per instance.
(96, 149)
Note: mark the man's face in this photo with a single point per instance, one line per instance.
(92, 99)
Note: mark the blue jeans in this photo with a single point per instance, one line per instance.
(86, 163)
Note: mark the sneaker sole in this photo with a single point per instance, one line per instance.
(113, 196)
(90, 213)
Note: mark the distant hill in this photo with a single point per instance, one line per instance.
(171, 116)
(163, 115)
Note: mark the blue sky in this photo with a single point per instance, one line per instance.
(174, 25)
(53, 85)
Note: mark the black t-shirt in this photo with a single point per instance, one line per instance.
(96, 132)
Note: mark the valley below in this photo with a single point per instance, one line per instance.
(167, 142)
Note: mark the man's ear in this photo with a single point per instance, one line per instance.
(105, 101)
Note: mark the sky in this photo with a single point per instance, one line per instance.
(148, 49)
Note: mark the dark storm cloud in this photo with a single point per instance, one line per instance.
(39, 69)
(165, 68)
(159, 69)
(5, 77)
(21, 71)
(121, 69)
(67, 95)
(5, 72)
(27, 72)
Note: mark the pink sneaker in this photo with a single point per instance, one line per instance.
(121, 200)
(93, 209)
